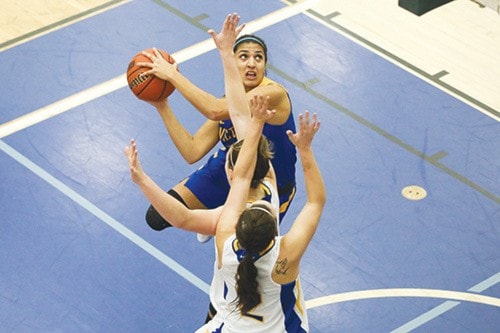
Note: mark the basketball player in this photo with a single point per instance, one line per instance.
(262, 189)
(207, 187)
(259, 269)
(250, 236)
(242, 294)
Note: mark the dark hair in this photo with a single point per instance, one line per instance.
(255, 230)
(250, 39)
(264, 155)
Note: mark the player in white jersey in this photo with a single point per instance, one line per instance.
(265, 191)
(261, 269)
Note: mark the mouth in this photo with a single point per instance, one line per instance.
(251, 75)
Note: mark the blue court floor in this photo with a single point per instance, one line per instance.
(77, 256)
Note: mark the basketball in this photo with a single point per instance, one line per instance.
(148, 87)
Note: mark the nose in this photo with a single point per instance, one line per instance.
(251, 62)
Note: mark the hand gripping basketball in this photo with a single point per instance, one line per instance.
(148, 87)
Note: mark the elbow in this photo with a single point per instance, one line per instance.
(217, 115)
(191, 158)
(320, 202)
(217, 110)
(321, 199)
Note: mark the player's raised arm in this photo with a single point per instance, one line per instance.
(237, 101)
(202, 221)
(243, 171)
(296, 240)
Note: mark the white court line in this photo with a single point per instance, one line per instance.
(117, 226)
(446, 306)
(456, 296)
(402, 292)
(107, 87)
(120, 81)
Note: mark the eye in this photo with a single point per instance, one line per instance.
(243, 56)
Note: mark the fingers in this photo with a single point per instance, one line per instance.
(155, 56)
(232, 21)
(229, 26)
(212, 33)
(306, 121)
(131, 150)
(308, 126)
(260, 101)
(238, 29)
(259, 106)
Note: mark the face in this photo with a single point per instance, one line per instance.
(251, 61)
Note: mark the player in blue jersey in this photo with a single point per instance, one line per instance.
(207, 187)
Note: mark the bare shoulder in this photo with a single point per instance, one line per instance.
(278, 100)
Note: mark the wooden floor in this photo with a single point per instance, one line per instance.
(23, 20)
(457, 44)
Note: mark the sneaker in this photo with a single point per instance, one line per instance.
(203, 238)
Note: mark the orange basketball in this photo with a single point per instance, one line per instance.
(148, 87)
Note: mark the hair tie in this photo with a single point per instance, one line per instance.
(241, 253)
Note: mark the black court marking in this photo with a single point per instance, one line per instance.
(439, 75)
(437, 156)
(194, 21)
(433, 78)
(431, 159)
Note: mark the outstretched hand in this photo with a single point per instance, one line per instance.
(259, 108)
(308, 126)
(136, 172)
(224, 40)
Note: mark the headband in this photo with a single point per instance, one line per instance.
(251, 39)
(262, 209)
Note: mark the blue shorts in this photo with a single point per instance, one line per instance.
(209, 184)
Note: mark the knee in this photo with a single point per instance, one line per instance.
(155, 221)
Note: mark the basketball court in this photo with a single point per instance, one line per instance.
(409, 149)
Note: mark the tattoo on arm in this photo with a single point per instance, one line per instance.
(281, 266)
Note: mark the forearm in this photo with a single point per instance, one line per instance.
(207, 104)
(183, 140)
(245, 165)
(237, 102)
(166, 205)
(315, 186)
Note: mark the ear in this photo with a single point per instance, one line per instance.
(230, 174)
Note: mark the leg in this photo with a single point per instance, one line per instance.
(155, 220)
(211, 313)
(183, 195)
